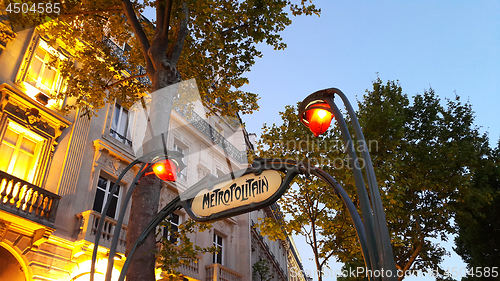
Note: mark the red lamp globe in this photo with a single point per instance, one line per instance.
(317, 117)
(165, 170)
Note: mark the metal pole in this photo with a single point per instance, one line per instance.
(358, 223)
(366, 210)
(103, 216)
(119, 221)
(385, 249)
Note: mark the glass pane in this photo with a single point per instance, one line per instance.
(102, 183)
(5, 156)
(28, 145)
(112, 207)
(219, 255)
(35, 67)
(49, 75)
(10, 137)
(174, 219)
(116, 117)
(98, 201)
(23, 163)
(40, 52)
(173, 238)
(117, 192)
(123, 123)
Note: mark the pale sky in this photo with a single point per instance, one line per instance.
(451, 46)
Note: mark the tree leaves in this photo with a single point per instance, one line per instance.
(424, 153)
(219, 47)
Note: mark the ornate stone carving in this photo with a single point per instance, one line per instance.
(4, 225)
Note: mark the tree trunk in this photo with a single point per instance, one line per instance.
(144, 208)
(145, 199)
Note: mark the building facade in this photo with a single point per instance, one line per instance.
(56, 172)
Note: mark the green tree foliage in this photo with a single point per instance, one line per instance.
(424, 162)
(261, 271)
(478, 240)
(423, 153)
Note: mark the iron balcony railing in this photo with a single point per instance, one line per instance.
(209, 131)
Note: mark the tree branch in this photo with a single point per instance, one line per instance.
(166, 21)
(412, 258)
(160, 16)
(125, 80)
(176, 50)
(110, 9)
(232, 29)
(141, 35)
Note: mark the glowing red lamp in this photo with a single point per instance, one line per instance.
(165, 170)
(317, 117)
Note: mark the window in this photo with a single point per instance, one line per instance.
(175, 221)
(101, 196)
(217, 258)
(20, 152)
(42, 76)
(183, 173)
(120, 126)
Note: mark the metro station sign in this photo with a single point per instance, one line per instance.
(219, 198)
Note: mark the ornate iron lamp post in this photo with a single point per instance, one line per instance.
(165, 165)
(316, 112)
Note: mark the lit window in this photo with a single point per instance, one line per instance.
(217, 258)
(183, 173)
(40, 74)
(20, 152)
(101, 196)
(119, 126)
(171, 235)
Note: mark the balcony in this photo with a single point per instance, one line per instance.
(191, 269)
(26, 200)
(87, 228)
(217, 272)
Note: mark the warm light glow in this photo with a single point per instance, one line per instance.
(82, 271)
(165, 170)
(321, 113)
(19, 151)
(317, 118)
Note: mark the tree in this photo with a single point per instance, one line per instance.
(423, 154)
(478, 239)
(260, 271)
(425, 159)
(212, 41)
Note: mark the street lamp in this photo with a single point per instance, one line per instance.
(165, 165)
(316, 112)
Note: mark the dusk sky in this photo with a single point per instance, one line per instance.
(451, 46)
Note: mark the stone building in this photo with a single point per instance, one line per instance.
(56, 172)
